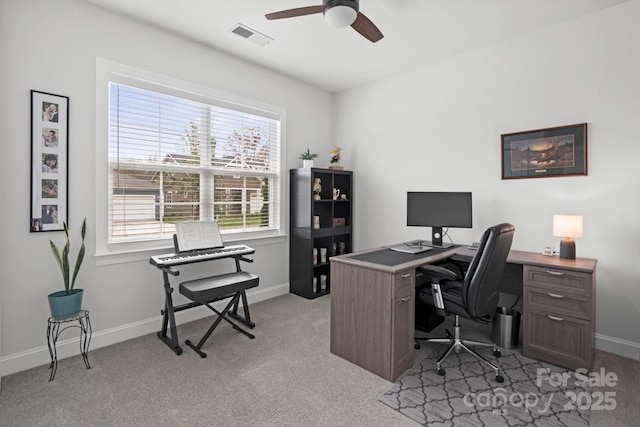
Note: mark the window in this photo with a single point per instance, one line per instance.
(176, 155)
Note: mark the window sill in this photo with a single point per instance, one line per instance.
(135, 255)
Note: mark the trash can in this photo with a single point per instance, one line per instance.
(506, 327)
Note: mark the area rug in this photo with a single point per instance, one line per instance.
(533, 393)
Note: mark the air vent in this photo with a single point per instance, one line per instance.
(251, 34)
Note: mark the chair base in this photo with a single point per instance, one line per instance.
(455, 344)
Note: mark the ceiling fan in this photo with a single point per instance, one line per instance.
(339, 13)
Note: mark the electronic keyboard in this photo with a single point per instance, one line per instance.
(167, 260)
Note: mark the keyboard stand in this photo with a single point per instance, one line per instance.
(169, 333)
(168, 314)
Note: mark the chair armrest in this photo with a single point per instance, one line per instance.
(439, 272)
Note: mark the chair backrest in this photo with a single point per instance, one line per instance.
(481, 285)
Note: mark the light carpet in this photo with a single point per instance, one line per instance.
(533, 393)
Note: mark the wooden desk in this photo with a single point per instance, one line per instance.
(373, 308)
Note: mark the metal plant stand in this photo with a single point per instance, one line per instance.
(56, 326)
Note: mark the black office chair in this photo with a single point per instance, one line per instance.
(474, 296)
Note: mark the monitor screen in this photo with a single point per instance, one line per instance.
(439, 210)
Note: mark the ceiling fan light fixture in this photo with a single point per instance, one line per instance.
(340, 13)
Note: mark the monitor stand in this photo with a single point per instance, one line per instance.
(436, 245)
(436, 242)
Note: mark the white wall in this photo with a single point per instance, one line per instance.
(52, 47)
(438, 128)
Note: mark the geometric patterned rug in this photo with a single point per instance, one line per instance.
(533, 393)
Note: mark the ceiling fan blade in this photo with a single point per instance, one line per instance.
(364, 26)
(291, 13)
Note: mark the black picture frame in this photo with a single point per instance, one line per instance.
(49, 161)
(551, 152)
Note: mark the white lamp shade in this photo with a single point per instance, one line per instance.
(341, 16)
(567, 225)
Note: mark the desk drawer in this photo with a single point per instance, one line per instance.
(564, 341)
(558, 280)
(541, 300)
(404, 284)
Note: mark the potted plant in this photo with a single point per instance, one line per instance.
(67, 303)
(307, 158)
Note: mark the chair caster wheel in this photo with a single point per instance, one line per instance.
(441, 372)
(416, 346)
(500, 378)
(496, 352)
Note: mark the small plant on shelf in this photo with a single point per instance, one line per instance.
(308, 155)
(307, 158)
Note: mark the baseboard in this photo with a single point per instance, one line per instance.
(618, 346)
(67, 348)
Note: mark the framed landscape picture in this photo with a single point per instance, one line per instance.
(552, 152)
(49, 161)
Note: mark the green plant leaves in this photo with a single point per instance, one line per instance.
(62, 258)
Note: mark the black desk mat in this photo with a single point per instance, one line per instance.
(389, 257)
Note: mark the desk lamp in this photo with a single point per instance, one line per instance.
(567, 227)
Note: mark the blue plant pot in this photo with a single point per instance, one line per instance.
(63, 305)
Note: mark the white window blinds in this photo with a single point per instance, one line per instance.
(173, 159)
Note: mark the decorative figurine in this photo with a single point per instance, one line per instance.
(317, 188)
(335, 159)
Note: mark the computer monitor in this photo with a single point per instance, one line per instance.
(438, 210)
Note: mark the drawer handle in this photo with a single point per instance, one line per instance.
(555, 273)
(559, 319)
(555, 295)
(405, 275)
(405, 299)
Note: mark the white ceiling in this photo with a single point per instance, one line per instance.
(415, 32)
